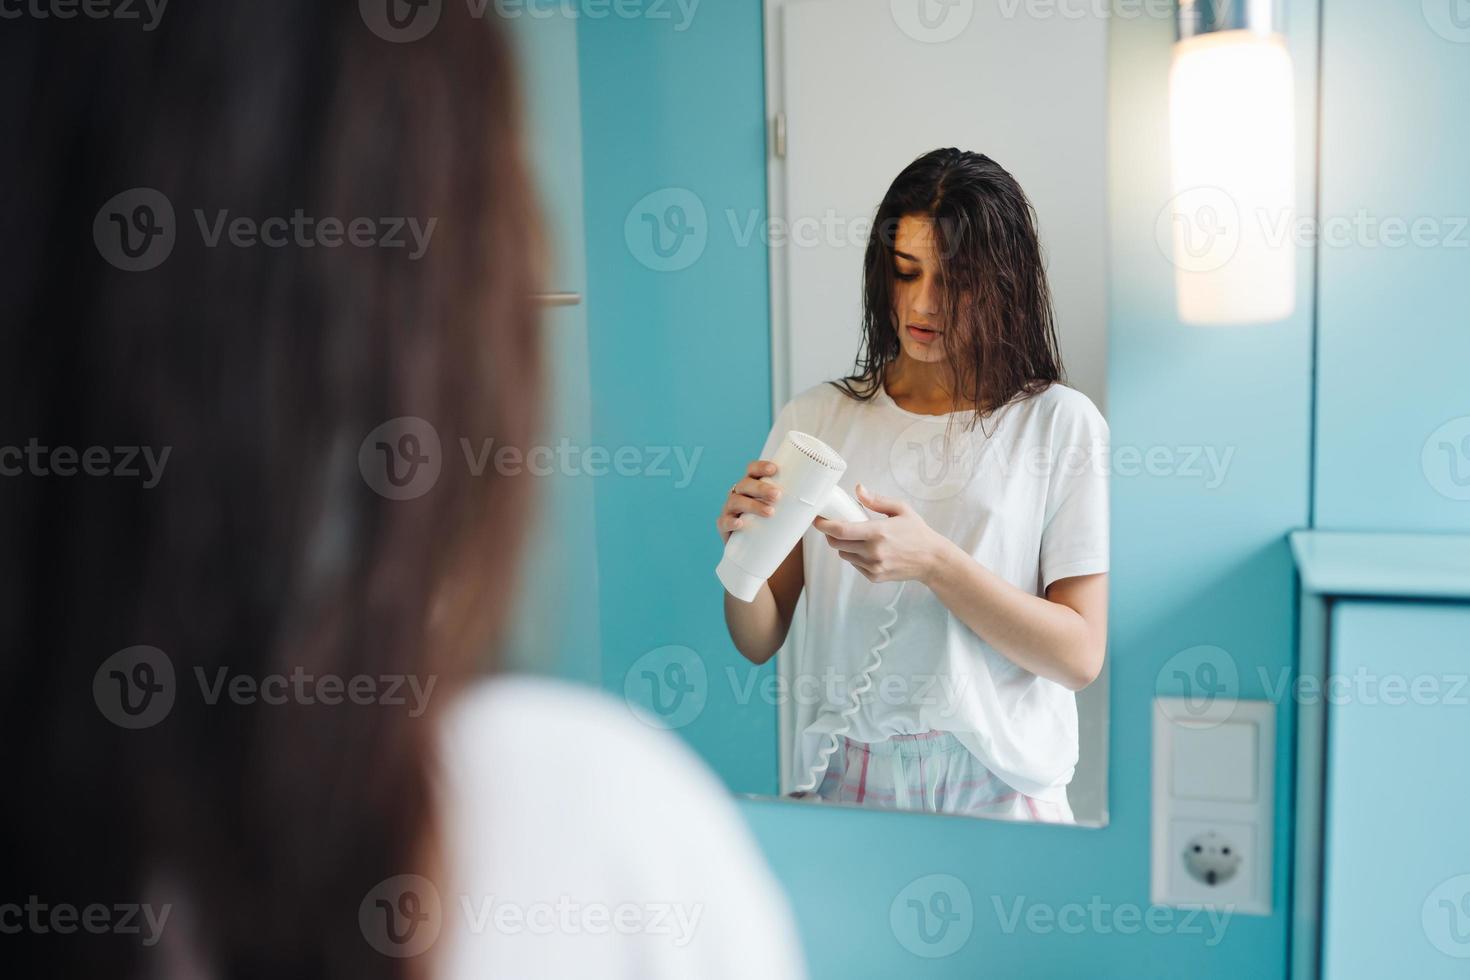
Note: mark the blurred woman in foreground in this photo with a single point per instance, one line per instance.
(206, 697)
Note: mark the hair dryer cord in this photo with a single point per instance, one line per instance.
(855, 697)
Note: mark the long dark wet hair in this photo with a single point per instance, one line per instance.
(1000, 333)
(263, 548)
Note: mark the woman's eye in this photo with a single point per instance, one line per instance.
(906, 276)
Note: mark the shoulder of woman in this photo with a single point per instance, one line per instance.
(522, 749)
(525, 721)
(1068, 411)
(554, 788)
(818, 397)
(820, 401)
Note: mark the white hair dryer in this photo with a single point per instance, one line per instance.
(807, 471)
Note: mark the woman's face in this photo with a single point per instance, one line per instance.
(915, 290)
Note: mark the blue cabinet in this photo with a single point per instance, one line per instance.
(1383, 695)
(1396, 888)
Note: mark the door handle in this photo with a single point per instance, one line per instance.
(558, 299)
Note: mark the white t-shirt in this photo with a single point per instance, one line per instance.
(1025, 493)
(584, 843)
(576, 841)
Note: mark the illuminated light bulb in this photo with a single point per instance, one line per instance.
(1232, 215)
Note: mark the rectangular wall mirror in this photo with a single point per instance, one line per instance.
(935, 227)
(856, 92)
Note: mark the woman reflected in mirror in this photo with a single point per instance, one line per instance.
(986, 572)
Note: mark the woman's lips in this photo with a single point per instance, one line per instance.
(923, 335)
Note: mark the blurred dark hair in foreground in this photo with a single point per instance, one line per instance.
(260, 549)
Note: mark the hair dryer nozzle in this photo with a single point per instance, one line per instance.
(807, 471)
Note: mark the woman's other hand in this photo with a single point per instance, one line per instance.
(898, 549)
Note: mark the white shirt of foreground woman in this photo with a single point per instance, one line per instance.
(581, 842)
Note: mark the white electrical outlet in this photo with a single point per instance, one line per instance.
(1213, 803)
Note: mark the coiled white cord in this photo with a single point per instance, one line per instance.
(855, 697)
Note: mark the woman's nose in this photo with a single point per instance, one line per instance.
(924, 299)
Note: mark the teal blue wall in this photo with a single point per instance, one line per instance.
(683, 357)
(680, 358)
(1395, 331)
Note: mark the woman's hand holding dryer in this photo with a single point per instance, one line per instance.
(897, 549)
(751, 495)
